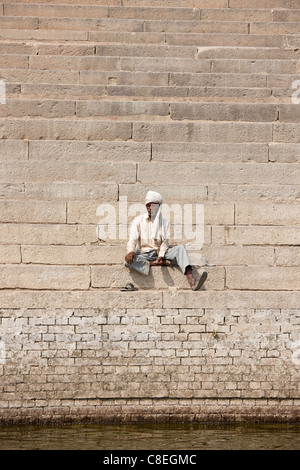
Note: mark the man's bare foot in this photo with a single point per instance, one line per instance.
(200, 281)
(195, 284)
(190, 277)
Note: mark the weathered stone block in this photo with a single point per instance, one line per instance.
(155, 64)
(202, 132)
(18, 22)
(125, 109)
(264, 4)
(252, 193)
(284, 153)
(234, 299)
(65, 191)
(267, 214)
(77, 255)
(32, 211)
(10, 254)
(85, 212)
(274, 28)
(89, 151)
(80, 299)
(55, 129)
(44, 277)
(67, 172)
(239, 255)
(13, 150)
(47, 234)
(158, 278)
(221, 152)
(286, 133)
(145, 50)
(53, 11)
(224, 112)
(287, 256)
(256, 235)
(213, 173)
(171, 194)
(259, 278)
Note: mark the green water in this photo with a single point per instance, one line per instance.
(151, 437)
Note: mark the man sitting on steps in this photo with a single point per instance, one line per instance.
(148, 243)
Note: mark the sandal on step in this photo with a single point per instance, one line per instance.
(200, 281)
(129, 287)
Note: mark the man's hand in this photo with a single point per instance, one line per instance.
(129, 258)
(160, 259)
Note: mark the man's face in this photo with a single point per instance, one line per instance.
(152, 208)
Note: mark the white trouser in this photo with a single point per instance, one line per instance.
(142, 260)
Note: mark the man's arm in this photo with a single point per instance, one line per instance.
(132, 242)
(165, 243)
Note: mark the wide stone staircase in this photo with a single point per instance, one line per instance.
(103, 100)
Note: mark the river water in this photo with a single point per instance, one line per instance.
(151, 436)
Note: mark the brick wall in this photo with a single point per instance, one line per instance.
(99, 102)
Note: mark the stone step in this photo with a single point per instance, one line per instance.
(214, 192)
(255, 235)
(133, 50)
(158, 3)
(61, 191)
(284, 4)
(136, 25)
(252, 193)
(259, 278)
(150, 26)
(73, 2)
(216, 235)
(152, 109)
(147, 12)
(210, 256)
(257, 91)
(263, 4)
(193, 173)
(34, 299)
(222, 39)
(111, 79)
(176, 39)
(155, 64)
(90, 92)
(108, 192)
(57, 171)
(103, 11)
(222, 173)
(147, 131)
(196, 131)
(91, 212)
(59, 277)
(250, 256)
(85, 151)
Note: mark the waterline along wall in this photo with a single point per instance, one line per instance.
(100, 101)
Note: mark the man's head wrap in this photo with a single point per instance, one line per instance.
(157, 225)
(154, 197)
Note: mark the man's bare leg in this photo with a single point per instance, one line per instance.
(199, 282)
(190, 277)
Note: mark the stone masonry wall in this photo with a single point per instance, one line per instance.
(100, 101)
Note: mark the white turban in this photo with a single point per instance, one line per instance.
(152, 196)
(157, 226)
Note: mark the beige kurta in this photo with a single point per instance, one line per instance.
(140, 238)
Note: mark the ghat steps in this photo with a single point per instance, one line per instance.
(101, 100)
(98, 93)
